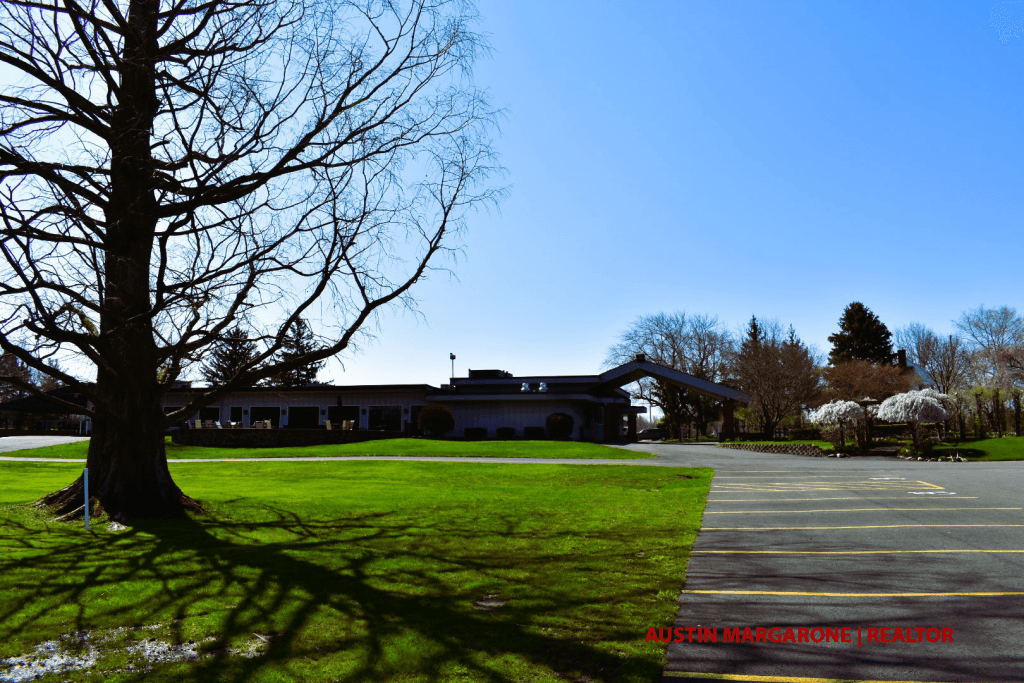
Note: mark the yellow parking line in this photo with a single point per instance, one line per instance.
(779, 487)
(873, 526)
(854, 595)
(766, 512)
(792, 500)
(828, 474)
(842, 552)
(881, 482)
(765, 679)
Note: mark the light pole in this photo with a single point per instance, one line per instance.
(451, 356)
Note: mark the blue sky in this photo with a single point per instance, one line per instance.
(773, 158)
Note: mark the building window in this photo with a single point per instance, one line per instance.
(260, 413)
(236, 413)
(304, 417)
(385, 418)
(414, 421)
(599, 415)
(211, 413)
(343, 417)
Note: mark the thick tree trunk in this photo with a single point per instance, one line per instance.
(128, 475)
(997, 414)
(980, 421)
(1016, 413)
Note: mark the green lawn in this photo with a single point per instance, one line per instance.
(363, 571)
(989, 450)
(414, 447)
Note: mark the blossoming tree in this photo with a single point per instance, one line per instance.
(834, 416)
(913, 408)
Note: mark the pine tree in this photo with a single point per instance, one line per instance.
(861, 336)
(234, 353)
(755, 335)
(298, 342)
(13, 367)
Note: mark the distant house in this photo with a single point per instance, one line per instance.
(487, 399)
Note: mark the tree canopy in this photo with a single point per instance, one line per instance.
(861, 336)
(698, 345)
(170, 170)
(231, 356)
(298, 344)
(778, 371)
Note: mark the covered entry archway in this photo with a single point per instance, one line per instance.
(641, 367)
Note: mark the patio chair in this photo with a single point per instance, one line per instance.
(257, 425)
(199, 424)
(328, 423)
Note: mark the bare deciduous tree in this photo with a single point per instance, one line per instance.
(698, 345)
(172, 169)
(778, 371)
(997, 337)
(946, 361)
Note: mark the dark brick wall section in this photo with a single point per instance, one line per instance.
(274, 438)
(789, 448)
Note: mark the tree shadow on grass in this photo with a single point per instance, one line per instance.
(365, 598)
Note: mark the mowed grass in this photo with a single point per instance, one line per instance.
(393, 447)
(986, 450)
(364, 571)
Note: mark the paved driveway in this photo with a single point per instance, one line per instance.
(16, 443)
(858, 543)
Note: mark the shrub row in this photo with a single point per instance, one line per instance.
(529, 433)
(788, 448)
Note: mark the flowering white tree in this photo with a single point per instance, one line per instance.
(836, 415)
(913, 408)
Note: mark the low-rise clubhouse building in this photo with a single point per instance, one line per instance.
(484, 402)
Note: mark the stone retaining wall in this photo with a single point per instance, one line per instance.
(788, 448)
(274, 438)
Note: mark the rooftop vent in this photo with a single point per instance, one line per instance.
(641, 358)
(543, 386)
(489, 374)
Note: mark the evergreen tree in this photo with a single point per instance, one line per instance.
(232, 354)
(861, 336)
(298, 342)
(755, 335)
(14, 368)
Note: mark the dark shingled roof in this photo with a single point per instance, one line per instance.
(38, 404)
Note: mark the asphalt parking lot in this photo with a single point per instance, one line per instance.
(857, 544)
(17, 443)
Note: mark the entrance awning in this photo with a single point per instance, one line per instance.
(640, 368)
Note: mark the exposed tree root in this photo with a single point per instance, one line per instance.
(68, 506)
